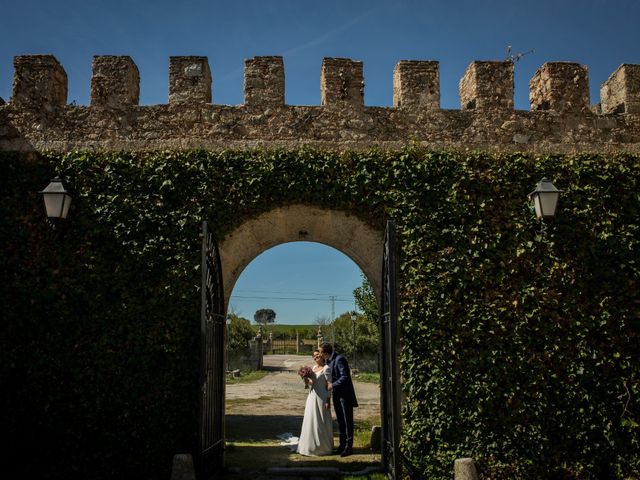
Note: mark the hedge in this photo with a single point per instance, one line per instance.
(520, 349)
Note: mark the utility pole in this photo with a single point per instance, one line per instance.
(333, 317)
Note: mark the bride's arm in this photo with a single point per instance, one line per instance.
(327, 375)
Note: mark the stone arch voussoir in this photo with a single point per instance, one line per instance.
(340, 230)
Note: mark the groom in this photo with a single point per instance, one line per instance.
(344, 397)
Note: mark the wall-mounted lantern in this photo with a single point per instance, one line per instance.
(545, 199)
(56, 200)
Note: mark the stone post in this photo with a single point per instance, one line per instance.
(182, 468)
(376, 438)
(464, 469)
(320, 337)
(260, 347)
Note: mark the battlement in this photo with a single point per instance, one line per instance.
(561, 118)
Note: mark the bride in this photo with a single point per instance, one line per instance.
(316, 437)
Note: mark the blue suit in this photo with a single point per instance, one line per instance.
(344, 398)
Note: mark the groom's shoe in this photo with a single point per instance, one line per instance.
(337, 451)
(346, 452)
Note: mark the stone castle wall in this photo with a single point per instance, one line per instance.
(561, 119)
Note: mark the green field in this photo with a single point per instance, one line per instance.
(282, 330)
(281, 327)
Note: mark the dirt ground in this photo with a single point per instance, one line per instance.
(257, 412)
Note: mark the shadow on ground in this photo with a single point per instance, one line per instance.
(275, 368)
(262, 428)
(253, 448)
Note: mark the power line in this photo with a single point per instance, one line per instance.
(297, 293)
(332, 298)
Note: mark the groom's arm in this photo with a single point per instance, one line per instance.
(343, 372)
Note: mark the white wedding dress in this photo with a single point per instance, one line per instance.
(316, 437)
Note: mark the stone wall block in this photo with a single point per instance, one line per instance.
(39, 82)
(560, 87)
(487, 85)
(416, 85)
(189, 80)
(264, 81)
(621, 92)
(115, 82)
(341, 82)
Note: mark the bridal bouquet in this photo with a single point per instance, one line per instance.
(305, 373)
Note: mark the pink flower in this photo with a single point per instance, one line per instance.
(305, 373)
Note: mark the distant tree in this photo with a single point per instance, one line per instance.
(356, 330)
(265, 316)
(366, 300)
(309, 333)
(240, 332)
(322, 320)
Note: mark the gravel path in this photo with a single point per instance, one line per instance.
(283, 393)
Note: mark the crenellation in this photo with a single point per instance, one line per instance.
(264, 81)
(38, 117)
(560, 87)
(189, 80)
(487, 85)
(341, 82)
(416, 85)
(621, 92)
(115, 82)
(39, 82)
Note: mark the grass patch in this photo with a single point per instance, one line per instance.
(366, 377)
(362, 432)
(258, 456)
(246, 377)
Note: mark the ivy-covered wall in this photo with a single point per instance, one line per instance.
(520, 350)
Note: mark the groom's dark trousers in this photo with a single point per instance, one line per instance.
(344, 399)
(344, 414)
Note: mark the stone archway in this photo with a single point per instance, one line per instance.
(346, 233)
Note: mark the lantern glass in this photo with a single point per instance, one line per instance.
(53, 204)
(545, 199)
(56, 199)
(65, 207)
(546, 203)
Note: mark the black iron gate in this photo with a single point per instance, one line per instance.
(389, 371)
(212, 327)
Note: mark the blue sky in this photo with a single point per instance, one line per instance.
(601, 34)
(297, 280)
